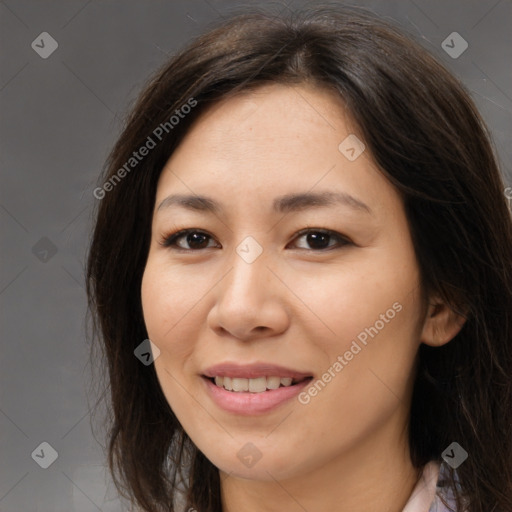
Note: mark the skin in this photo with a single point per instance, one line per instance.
(296, 305)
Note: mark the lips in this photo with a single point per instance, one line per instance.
(252, 389)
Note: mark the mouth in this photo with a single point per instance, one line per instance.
(260, 384)
(252, 389)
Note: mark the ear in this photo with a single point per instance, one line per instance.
(441, 324)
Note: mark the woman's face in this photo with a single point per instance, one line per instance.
(248, 293)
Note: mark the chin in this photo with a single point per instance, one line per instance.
(267, 468)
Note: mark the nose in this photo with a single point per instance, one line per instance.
(249, 301)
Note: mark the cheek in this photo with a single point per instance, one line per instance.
(377, 321)
(168, 327)
(374, 317)
(154, 304)
(165, 317)
(166, 300)
(353, 303)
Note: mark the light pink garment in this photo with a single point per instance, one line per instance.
(424, 497)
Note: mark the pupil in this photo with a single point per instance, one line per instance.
(313, 238)
(192, 239)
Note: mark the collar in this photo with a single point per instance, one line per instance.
(426, 495)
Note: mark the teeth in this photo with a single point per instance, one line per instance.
(257, 385)
(240, 384)
(273, 382)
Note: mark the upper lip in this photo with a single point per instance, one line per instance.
(251, 371)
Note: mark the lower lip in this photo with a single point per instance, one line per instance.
(246, 403)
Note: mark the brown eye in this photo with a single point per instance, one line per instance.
(196, 240)
(318, 240)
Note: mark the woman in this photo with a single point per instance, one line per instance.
(305, 217)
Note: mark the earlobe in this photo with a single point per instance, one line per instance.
(441, 324)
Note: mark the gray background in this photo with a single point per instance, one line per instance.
(59, 117)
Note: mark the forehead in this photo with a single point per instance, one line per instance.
(274, 115)
(274, 140)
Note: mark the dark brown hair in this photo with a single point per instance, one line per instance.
(427, 137)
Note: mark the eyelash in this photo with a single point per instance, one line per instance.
(169, 241)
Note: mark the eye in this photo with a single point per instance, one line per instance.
(318, 239)
(196, 239)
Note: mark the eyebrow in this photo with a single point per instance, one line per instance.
(282, 204)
